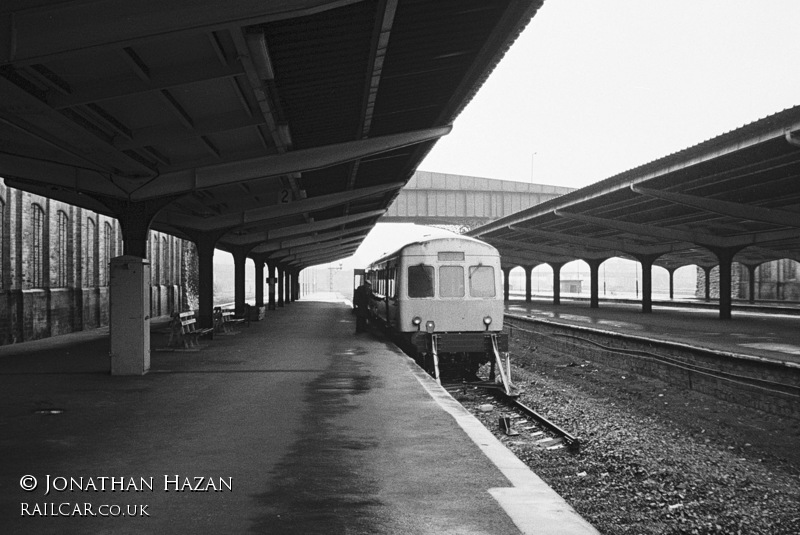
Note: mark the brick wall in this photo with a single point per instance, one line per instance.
(75, 247)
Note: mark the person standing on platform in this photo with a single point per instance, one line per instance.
(361, 299)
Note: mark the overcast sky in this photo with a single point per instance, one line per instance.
(593, 88)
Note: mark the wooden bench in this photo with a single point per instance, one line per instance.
(184, 333)
(225, 319)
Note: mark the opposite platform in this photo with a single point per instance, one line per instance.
(295, 425)
(770, 336)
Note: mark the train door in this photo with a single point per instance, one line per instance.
(359, 276)
(392, 304)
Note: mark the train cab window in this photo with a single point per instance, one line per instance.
(451, 281)
(420, 281)
(481, 281)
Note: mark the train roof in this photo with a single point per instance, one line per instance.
(457, 238)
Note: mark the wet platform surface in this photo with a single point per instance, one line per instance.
(294, 425)
(773, 335)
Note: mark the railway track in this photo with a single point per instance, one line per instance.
(514, 418)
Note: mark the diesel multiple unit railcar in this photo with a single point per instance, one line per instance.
(443, 297)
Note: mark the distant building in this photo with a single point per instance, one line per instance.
(778, 280)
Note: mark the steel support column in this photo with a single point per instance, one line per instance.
(528, 272)
(707, 271)
(280, 286)
(751, 282)
(556, 281)
(239, 263)
(205, 274)
(647, 281)
(725, 257)
(506, 283)
(594, 281)
(259, 263)
(271, 277)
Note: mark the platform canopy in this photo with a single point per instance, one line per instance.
(281, 128)
(735, 197)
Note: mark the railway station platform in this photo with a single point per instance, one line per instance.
(769, 333)
(293, 425)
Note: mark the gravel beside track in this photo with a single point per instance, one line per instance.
(654, 458)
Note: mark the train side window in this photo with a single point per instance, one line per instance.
(420, 281)
(481, 281)
(451, 281)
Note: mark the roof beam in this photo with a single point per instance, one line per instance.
(603, 243)
(380, 43)
(672, 235)
(726, 208)
(274, 211)
(281, 233)
(187, 181)
(556, 251)
(123, 87)
(104, 158)
(308, 240)
(319, 258)
(40, 32)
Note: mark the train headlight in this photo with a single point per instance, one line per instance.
(487, 320)
(430, 326)
(416, 322)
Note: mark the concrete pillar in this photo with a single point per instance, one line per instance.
(280, 286)
(528, 271)
(271, 286)
(129, 315)
(129, 291)
(506, 283)
(556, 281)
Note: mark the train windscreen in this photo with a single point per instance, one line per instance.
(481, 281)
(420, 281)
(451, 281)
